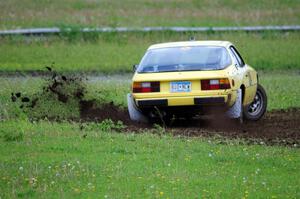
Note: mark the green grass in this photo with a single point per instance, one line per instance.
(280, 86)
(54, 160)
(31, 13)
(111, 53)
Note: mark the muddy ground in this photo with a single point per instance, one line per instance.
(276, 127)
(279, 127)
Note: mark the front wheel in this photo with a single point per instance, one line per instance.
(257, 108)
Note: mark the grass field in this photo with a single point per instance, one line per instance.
(54, 159)
(111, 53)
(49, 150)
(44, 13)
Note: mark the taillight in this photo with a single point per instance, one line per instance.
(145, 87)
(215, 84)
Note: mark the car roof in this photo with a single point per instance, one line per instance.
(190, 43)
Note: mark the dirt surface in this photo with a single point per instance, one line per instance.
(276, 127)
(279, 127)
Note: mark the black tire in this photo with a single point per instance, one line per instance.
(258, 107)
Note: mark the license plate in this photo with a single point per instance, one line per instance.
(177, 87)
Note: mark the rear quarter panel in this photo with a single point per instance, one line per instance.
(250, 82)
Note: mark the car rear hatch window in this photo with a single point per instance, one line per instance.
(187, 58)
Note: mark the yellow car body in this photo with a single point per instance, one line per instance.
(238, 74)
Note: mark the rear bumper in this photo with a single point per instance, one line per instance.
(153, 102)
(209, 101)
(184, 101)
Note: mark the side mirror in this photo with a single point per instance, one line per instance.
(134, 67)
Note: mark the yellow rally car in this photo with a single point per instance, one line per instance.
(185, 79)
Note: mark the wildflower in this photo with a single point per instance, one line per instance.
(210, 155)
(161, 193)
(169, 164)
(21, 168)
(32, 181)
(49, 167)
(257, 171)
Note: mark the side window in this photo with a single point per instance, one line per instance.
(237, 56)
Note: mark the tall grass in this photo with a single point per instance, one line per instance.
(133, 13)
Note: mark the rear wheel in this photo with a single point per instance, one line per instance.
(257, 108)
